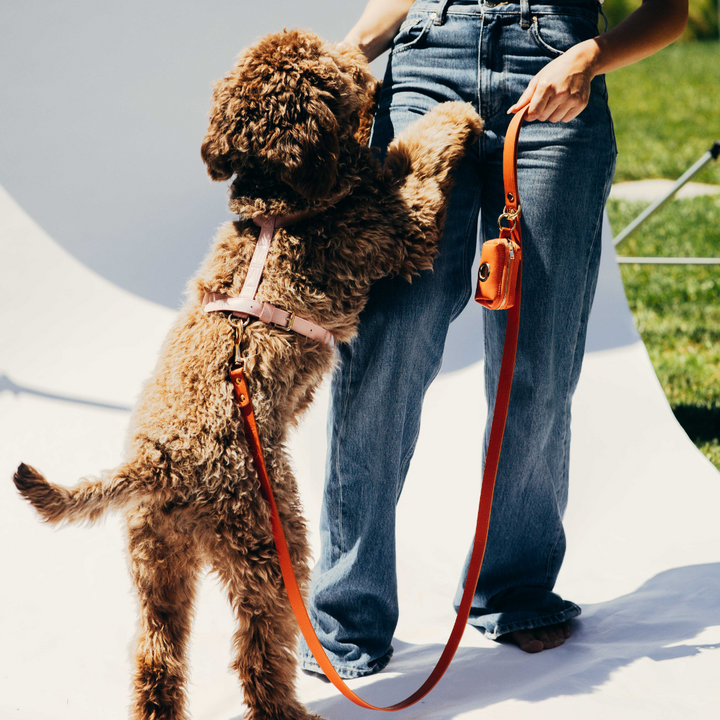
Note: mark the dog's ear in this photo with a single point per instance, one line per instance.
(306, 150)
(224, 143)
(365, 87)
(367, 114)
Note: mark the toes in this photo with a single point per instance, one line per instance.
(526, 641)
(552, 636)
(555, 636)
(538, 639)
(549, 637)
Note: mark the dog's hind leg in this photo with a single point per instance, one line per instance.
(164, 563)
(266, 638)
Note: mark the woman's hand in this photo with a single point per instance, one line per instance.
(561, 90)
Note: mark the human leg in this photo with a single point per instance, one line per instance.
(377, 393)
(564, 175)
(374, 421)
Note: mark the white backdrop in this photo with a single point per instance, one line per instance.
(643, 558)
(104, 107)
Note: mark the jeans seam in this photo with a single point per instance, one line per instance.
(412, 43)
(553, 552)
(612, 124)
(467, 290)
(597, 234)
(341, 427)
(567, 11)
(478, 86)
(457, 309)
(405, 462)
(571, 374)
(534, 31)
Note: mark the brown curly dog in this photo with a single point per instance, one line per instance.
(291, 123)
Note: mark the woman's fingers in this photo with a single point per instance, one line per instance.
(570, 113)
(525, 98)
(544, 102)
(560, 91)
(559, 115)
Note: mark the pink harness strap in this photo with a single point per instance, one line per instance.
(268, 313)
(257, 264)
(246, 304)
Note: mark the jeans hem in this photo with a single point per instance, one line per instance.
(347, 673)
(530, 624)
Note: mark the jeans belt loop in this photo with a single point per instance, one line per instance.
(441, 12)
(525, 19)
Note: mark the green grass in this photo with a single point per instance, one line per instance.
(711, 450)
(702, 20)
(667, 112)
(677, 308)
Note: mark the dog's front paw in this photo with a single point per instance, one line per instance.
(431, 146)
(455, 125)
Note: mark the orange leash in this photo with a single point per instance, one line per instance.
(497, 430)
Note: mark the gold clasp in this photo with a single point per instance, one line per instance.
(238, 326)
(511, 216)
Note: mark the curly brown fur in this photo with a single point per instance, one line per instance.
(290, 122)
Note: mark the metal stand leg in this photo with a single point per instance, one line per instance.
(711, 154)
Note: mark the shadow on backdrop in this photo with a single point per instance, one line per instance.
(658, 621)
(6, 384)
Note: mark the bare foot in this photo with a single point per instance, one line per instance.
(538, 639)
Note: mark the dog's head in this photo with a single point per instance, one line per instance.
(291, 105)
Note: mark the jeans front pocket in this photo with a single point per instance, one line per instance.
(411, 33)
(555, 34)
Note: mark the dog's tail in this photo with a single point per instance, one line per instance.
(87, 501)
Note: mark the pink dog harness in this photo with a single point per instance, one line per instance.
(246, 304)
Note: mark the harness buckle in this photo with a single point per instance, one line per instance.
(288, 325)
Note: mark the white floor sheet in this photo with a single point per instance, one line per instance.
(643, 533)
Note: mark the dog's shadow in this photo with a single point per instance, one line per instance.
(658, 621)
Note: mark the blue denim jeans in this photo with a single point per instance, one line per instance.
(485, 55)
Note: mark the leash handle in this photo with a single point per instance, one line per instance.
(492, 458)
